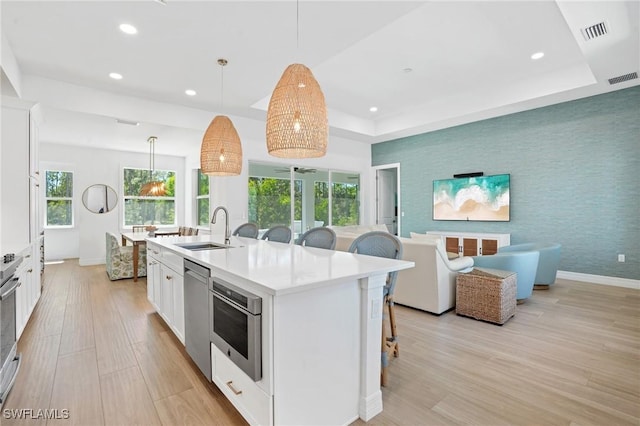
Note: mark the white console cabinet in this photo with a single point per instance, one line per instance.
(165, 287)
(473, 243)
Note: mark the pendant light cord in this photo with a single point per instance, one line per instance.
(222, 89)
(298, 25)
(222, 62)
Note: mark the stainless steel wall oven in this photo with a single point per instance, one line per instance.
(236, 325)
(9, 359)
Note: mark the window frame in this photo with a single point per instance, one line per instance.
(138, 197)
(198, 197)
(70, 199)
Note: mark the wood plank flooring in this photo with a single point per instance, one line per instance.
(570, 356)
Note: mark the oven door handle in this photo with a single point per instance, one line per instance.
(231, 303)
(11, 289)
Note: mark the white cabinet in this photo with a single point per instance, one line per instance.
(20, 223)
(249, 399)
(178, 305)
(153, 275)
(28, 292)
(473, 243)
(165, 287)
(15, 225)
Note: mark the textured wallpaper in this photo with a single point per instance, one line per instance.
(575, 177)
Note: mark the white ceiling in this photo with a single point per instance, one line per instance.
(469, 60)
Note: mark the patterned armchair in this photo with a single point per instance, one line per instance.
(120, 259)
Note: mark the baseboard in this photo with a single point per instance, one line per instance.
(91, 262)
(600, 279)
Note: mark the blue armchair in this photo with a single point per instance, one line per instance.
(524, 263)
(547, 264)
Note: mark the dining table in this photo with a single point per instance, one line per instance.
(138, 239)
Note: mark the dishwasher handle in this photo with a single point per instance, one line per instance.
(196, 276)
(196, 270)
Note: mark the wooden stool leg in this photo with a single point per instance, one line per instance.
(392, 321)
(383, 352)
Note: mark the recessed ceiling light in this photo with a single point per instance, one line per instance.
(373, 109)
(128, 29)
(115, 76)
(537, 55)
(190, 92)
(407, 69)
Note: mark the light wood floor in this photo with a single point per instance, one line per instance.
(570, 356)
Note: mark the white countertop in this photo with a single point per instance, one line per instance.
(279, 268)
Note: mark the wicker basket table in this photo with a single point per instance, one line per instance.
(486, 294)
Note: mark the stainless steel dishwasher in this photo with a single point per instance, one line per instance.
(196, 315)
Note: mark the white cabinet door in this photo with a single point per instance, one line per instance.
(167, 278)
(178, 306)
(153, 284)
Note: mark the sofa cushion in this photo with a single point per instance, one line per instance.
(424, 237)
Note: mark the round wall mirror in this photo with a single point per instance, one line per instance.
(99, 198)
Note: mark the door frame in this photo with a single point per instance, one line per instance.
(375, 192)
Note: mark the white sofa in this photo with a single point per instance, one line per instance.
(429, 286)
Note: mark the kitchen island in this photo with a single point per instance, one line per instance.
(321, 327)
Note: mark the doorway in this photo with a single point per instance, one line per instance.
(388, 197)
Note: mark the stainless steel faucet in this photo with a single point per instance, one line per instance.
(227, 231)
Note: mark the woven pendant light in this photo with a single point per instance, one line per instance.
(221, 149)
(152, 188)
(297, 125)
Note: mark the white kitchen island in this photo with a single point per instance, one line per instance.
(321, 329)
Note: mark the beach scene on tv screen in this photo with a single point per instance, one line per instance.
(473, 198)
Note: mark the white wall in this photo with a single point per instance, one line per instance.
(86, 240)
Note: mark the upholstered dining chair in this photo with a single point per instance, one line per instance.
(319, 237)
(383, 244)
(278, 233)
(186, 230)
(119, 261)
(249, 230)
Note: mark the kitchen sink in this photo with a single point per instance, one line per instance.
(203, 246)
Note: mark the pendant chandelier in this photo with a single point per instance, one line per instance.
(221, 150)
(297, 125)
(152, 188)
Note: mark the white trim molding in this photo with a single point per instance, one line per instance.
(600, 279)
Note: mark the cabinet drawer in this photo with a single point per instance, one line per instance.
(251, 401)
(173, 260)
(153, 250)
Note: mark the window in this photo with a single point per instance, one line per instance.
(321, 197)
(202, 199)
(148, 210)
(321, 205)
(345, 199)
(270, 201)
(59, 198)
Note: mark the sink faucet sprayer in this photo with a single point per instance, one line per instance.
(227, 231)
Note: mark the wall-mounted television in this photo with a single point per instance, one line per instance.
(483, 198)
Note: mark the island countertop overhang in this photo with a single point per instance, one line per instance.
(278, 268)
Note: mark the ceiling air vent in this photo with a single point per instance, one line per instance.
(595, 31)
(622, 78)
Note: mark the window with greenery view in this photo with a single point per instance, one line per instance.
(148, 210)
(345, 205)
(59, 198)
(321, 190)
(321, 197)
(202, 199)
(270, 201)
